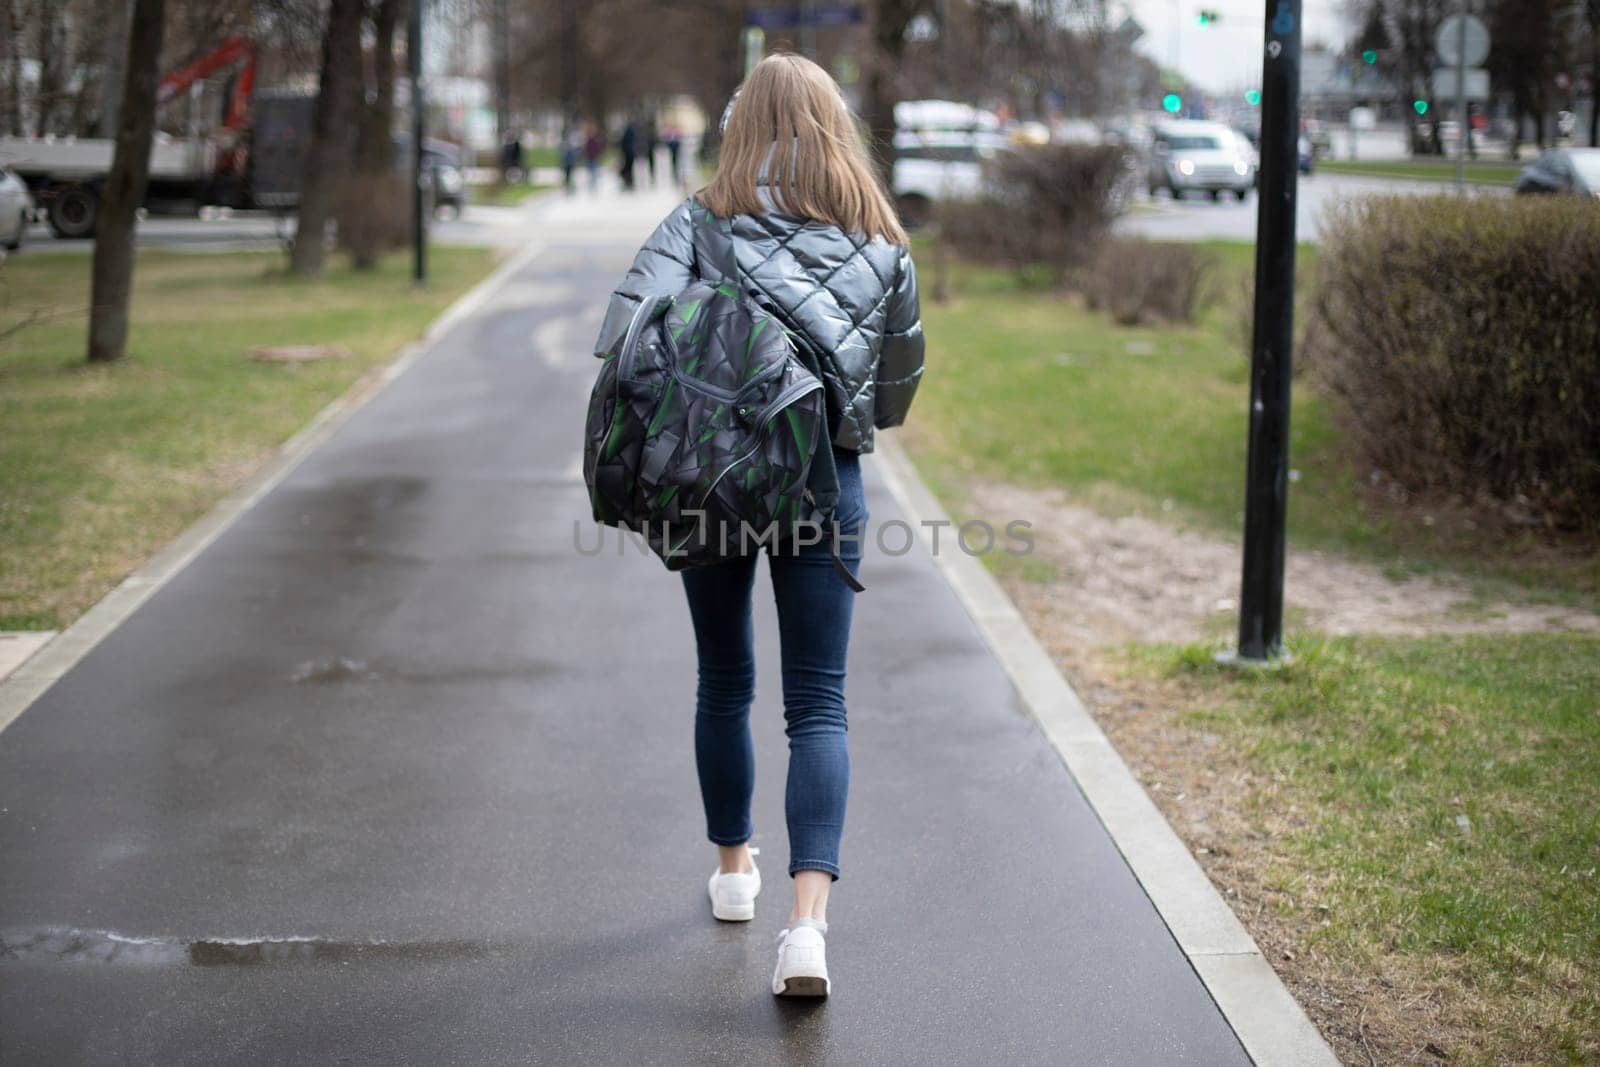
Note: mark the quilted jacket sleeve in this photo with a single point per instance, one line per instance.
(663, 267)
(900, 361)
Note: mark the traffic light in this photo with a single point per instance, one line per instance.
(1369, 57)
(1172, 102)
(1208, 17)
(1420, 106)
(1252, 97)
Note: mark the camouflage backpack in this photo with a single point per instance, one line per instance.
(704, 425)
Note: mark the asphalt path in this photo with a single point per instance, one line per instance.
(392, 774)
(1197, 218)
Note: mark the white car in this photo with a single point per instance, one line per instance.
(1206, 156)
(16, 210)
(940, 147)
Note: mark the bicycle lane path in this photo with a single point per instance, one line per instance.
(391, 772)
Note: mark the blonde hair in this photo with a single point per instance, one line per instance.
(790, 120)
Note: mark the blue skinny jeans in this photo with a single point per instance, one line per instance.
(814, 610)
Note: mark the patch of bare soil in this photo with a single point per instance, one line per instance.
(1114, 580)
(1136, 579)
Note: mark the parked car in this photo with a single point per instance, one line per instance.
(441, 168)
(441, 171)
(940, 148)
(16, 210)
(1205, 156)
(1562, 170)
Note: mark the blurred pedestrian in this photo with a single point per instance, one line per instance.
(628, 146)
(571, 148)
(674, 139)
(594, 146)
(511, 158)
(850, 303)
(652, 141)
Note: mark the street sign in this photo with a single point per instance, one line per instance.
(1456, 48)
(1363, 118)
(786, 18)
(1474, 86)
(1128, 31)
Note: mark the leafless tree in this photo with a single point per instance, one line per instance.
(372, 208)
(1525, 57)
(124, 190)
(328, 155)
(890, 20)
(1591, 17)
(1402, 32)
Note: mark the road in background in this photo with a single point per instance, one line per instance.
(1197, 218)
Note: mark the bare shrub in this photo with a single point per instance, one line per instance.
(1044, 204)
(1142, 282)
(1461, 347)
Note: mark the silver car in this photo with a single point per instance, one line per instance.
(16, 210)
(1205, 156)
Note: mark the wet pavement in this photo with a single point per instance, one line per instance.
(392, 774)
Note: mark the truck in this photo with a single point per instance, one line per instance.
(252, 159)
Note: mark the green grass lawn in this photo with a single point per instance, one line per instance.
(1026, 385)
(1431, 806)
(1479, 171)
(104, 464)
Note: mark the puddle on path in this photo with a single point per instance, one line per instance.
(105, 946)
(341, 670)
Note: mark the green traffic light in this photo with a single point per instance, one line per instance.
(1252, 97)
(1420, 106)
(1172, 102)
(1369, 57)
(1203, 19)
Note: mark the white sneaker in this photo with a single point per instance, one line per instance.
(733, 896)
(802, 962)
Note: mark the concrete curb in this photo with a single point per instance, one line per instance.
(40, 671)
(1269, 1023)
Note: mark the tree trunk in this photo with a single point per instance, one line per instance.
(11, 103)
(115, 47)
(327, 162)
(502, 70)
(48, 90)
(372, 216)
(124, 188)
(1594, 73)
(889, 21)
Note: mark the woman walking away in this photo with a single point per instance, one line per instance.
(814, 242)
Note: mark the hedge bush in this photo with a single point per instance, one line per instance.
(1461, 346)
(1141, 282)
(1044, 204)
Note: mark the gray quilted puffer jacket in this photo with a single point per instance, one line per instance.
(854, 300)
